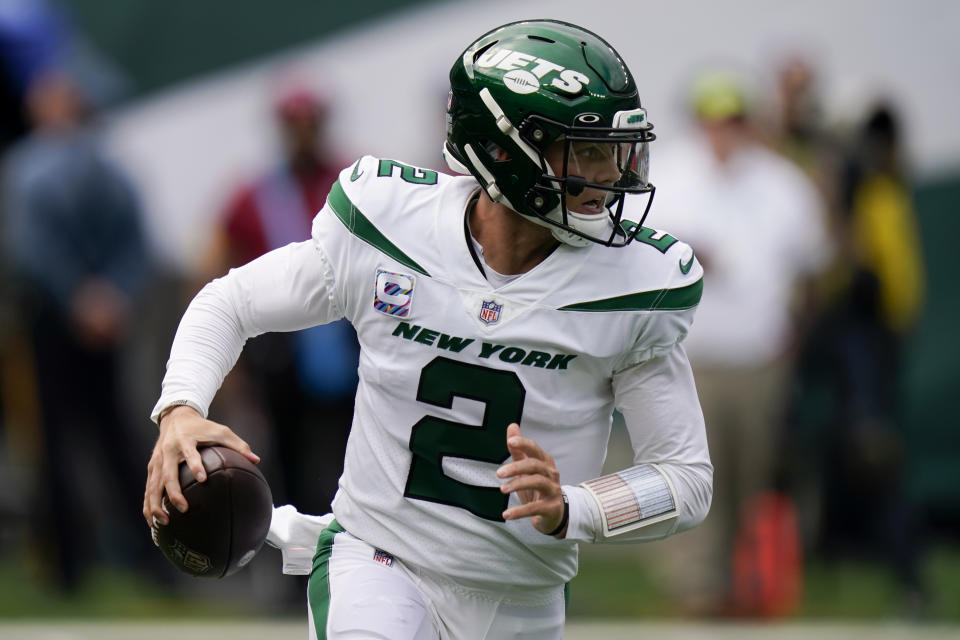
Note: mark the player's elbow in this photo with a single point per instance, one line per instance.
(697, 496)
(220, 302)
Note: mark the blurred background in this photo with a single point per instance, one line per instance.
(148, 147)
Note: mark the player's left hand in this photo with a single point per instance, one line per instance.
(533, 475)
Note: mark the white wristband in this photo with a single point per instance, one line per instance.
(632, 498)
(163, 405)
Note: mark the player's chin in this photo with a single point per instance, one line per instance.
(590, 208)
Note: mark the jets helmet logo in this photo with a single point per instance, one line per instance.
(521, 81)
(525, 72)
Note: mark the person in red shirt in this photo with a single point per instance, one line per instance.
(277, 208)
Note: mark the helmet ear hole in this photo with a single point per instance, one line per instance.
(495, 151)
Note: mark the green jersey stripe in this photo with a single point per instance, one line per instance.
(318, 589)
(358, 224)
(658, 300)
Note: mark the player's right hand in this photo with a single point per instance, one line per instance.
(182, 430)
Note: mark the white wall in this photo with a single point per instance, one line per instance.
(387, 81)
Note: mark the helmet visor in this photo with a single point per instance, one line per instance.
(634, 164)
(617, 167)
(621, 164)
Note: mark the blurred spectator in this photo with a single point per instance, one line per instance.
(756, 224)
(76, 246)
(36, 36)
(798, 129)
(855, 353)
(305, 380)
(883, 229)
(31, 37)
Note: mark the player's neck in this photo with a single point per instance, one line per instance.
(511, 244)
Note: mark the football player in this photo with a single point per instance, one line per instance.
(503, 316)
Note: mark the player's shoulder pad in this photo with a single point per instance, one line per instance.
(386, 194)
(372, 184)
(687, 274)
(392, 206)
(674, 263)
(680, 264)
(654, 262)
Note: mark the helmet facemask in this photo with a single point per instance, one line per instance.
(603, 164)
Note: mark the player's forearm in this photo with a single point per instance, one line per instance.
(640, 504)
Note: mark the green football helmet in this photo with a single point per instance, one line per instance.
(524, 86)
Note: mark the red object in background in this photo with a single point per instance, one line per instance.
(767, 558)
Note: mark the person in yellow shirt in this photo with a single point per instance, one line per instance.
(856, 353)
(883, 227)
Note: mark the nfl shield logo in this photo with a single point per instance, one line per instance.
(383, 558)
(490, 311)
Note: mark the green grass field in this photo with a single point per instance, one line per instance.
(613, 598)
(578, 630)
(613, 584)
(608, 586)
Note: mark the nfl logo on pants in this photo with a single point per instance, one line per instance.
(383, 557)
(490, 311)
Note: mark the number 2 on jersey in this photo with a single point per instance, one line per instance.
(434, 438)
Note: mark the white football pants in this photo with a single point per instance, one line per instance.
(358, 592)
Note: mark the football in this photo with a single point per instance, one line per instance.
(227, 519)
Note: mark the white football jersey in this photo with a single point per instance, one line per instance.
(448, 362)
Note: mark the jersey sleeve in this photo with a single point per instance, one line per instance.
(670, 486)
(287, 289)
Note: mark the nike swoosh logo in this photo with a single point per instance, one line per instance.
(685, 268)
(356, 174)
